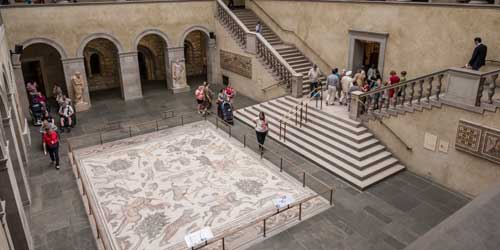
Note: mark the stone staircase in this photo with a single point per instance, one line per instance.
(339, 145)
(298, 61)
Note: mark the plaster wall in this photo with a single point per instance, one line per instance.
(460, 171)
(261, 77)
(422, 38)
(69, 25)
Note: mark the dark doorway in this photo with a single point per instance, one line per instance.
(152, 60)
(143, 69)
(366, 53)
(195, 55)
(32, 72)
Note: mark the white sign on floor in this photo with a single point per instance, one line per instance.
(283, 201)
(198, 237)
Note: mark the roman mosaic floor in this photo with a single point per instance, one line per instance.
(149, 191)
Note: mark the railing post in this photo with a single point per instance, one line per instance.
(296, 113)
(157, 127)
(331, 196)
(216, 123)
(301, 108)
(303, 179)
(284, 133)
(300, 211)
(439, 86)
(244, 141)
(281, 164)
(130, 131)
(264, 229)
(229, 131)
(223, 244)
(307, 104)
(280, 130)
(182, 120)
(429, 89)
(492, 87)
(100, 137)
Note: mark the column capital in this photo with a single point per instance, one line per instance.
(128, 54)
(72, 60)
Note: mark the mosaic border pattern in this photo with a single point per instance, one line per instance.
(478, 140)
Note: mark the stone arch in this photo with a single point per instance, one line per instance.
(191, 29)
(52, 43)
(152, 32)
(91, 37)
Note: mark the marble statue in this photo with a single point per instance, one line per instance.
(78, 84)
(178, 74)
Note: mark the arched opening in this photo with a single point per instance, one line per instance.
(41, 63)
(196, 56)
(152, 58)
(102, 66)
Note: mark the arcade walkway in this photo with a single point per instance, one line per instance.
(387, 216)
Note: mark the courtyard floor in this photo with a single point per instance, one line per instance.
(387, 216)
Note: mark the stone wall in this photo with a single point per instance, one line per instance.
(421, 38)
(109, 76)
(454, 169)
(50, 62)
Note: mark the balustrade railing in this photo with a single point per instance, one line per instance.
(263, 49)
(423, 90)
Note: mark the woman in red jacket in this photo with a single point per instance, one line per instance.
(51, 143)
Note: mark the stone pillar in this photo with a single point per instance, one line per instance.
(130, 76)
(16, 159)
(70, 67)
(355, 107)
(212, 62)
(21, 86)
(251, 47)
(18, 224)
(19, 124)
(175, 54)
(168, 75)
(297, 86)
(464, 87)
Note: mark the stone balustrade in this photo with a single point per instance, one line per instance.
(459, 87)
(255, 43)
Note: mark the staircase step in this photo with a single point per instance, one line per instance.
(361, 179)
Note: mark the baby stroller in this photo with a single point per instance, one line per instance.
(37, 111)
(227, 112)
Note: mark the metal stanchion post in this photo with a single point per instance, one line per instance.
(281, 164)
(264, 229)
(303, 179)
(331, 196)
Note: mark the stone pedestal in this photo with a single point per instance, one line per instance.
(130, 76)
(16, 159)
(21, 86)
(174, 55)
(71, 66)
(251, 47)
(355, 107)
(297, 86)
(463, 87)
(16, 217)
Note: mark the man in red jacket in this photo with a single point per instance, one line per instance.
(51, 143)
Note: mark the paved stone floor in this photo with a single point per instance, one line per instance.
(387, 216)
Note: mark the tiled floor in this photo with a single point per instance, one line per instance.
(387, 216)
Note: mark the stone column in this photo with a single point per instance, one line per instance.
(212, 71)
(19, 124)
(130, 76)
(70, 67)
(177, 54)
(16, 217)
(168, 75)
(21, 86)
(15, 156)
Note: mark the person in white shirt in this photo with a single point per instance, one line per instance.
(258, 27)
(314, 75)
(261, 128)
(66, 111)
(346, 83)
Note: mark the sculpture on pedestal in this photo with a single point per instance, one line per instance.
(78, 88)
(178, 75)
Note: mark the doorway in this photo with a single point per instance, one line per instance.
(366, 53)
(32, 72)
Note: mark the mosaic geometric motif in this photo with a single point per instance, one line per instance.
(152, 190)
(478, 140)
(238, 64)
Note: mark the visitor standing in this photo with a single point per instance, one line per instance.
(261, 128)
(314, 74)
(258, 27)
(200, 95)
(230, 4)
(32, 88)
(478, 58)
(372, 72)
(332, 83)
(207, 99)
(346, 84)
(51, 144)
(393, 79)
(65, 113)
